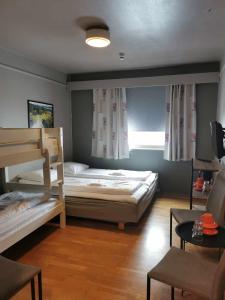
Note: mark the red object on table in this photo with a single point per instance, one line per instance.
(199, 184)
(209, 225)
(210, 231)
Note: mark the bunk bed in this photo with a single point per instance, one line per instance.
(18, 146)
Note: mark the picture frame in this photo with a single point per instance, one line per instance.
(40, 114)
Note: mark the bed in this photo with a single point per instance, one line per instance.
(23, 212)
(120, 196)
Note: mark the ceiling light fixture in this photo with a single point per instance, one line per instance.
(97, 37)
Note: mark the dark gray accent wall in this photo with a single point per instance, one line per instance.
(82, 125)
(221, 96)
(148, 72)
(206, 95)
(174, 177)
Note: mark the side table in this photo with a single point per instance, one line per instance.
(184, 231)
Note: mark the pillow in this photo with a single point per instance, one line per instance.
(36, 175)
(72, 168)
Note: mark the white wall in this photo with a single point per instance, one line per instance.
(21, 80)
(221, 95)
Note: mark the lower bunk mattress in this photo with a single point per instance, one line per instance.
(21, 213)
(119, 209)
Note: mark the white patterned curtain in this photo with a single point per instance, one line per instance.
(110, 126)
(180, 136)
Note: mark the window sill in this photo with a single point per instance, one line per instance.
(160, 148)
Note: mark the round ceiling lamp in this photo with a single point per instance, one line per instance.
(97, 37)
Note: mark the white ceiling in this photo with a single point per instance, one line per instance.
(150, 32)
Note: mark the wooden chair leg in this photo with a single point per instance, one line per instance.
(220, 253)
(181, 244)
(148, 287)
(172, 293)
(32, 285)
(171, 225)
(39, 286)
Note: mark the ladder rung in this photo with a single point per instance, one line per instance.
(57, 181)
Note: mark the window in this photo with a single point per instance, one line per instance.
(146, 140)
(146, 117)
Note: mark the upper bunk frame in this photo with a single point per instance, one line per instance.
(21, 145)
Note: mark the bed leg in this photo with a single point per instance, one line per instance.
(121, 226)
(62, 217)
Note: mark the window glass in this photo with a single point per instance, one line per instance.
(146, 117)
(146, 140)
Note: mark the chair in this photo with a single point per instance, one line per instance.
(14, 276)
(215, 205)
(189, 272)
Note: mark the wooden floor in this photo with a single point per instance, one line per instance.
(91, 260)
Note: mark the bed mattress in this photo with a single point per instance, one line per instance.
(14, 203)
(112, 210)
(12, 225)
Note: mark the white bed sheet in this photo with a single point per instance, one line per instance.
(12, 225)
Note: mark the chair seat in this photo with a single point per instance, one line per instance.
(14, 276)
(190, 272)
(185, 215)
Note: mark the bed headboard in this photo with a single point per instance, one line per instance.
(20, 145)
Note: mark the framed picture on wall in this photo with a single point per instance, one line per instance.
(40, 114)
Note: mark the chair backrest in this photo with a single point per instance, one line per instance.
(218, 285)
(216, 199)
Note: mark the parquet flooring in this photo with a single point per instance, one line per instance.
(93, 260)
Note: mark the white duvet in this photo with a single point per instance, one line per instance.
(113, 187)
(17, 202)
(70, 191)
(118, 185)
(114, 174)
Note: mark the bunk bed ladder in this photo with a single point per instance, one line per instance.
(59, 167)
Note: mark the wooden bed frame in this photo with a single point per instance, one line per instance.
(19, 146)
